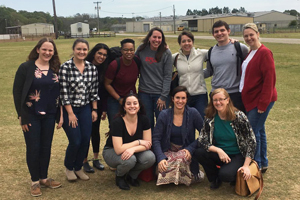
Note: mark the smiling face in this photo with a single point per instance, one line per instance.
(186, 44)
(251, 38)
(46, 51)
(155, 40)
(220, 102)
(221, 34)
(100, 56)
(132, 105)
(179, 100)
(128, 51)
(80, 51)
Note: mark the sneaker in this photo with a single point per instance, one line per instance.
(87, 168)
(82, 175)
(50, 183)
(97, 164)
(71, 175)
(35, 190)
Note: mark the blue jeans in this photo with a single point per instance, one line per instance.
(149, 102)
(113, 107)
(199, 102)
(257, 121)
(79, 137)
(38, 145)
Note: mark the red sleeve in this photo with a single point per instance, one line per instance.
(111, 70)
(267, 68)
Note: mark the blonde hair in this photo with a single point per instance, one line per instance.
(252, 26)
(211, 111)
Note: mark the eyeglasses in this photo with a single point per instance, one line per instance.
(219, 100)
(128, 50)
(101, 54)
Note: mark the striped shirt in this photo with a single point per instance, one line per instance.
(76, 88)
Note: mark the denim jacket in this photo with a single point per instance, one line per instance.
(243, 132)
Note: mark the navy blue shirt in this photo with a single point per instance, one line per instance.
(43, 95)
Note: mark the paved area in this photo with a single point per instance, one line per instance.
(271, 40)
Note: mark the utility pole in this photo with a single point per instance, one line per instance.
(55, 20)
(98, 8)
(133, 22)
(160, 20)
(174, 18)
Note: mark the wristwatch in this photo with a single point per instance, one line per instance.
(95, 109)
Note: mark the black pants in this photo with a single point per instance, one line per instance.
(210, 160)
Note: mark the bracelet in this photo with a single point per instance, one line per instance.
(95, 109)
(119, 99)
(139, 142)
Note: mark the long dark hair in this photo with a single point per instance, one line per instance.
(103, 66)
(54, 62)
(162, 47)
(142, 110)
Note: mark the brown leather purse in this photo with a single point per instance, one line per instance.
(249, 187)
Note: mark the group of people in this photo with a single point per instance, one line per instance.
(81, 92)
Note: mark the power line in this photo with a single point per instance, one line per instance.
(136, 12)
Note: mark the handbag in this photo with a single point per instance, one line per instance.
(175, 78)
(249, 187)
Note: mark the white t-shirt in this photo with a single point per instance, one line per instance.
(244, 68)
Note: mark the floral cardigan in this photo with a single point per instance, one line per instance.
(242, 129)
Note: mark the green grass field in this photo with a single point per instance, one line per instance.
(281, 180)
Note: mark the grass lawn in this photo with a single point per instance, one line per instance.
(281, 180)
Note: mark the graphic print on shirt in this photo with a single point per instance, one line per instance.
(150, 60)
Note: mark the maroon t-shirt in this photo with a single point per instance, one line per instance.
(126, 78)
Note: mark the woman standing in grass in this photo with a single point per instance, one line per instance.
(99, 56)
(36, 94)
(155, 73)
(189, 63)
(128, 144)
(78, 80)
(258, 89)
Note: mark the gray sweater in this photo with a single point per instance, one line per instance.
(155, 77)
(223, 60)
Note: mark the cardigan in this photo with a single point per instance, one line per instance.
(161, 135)
(22, 83)
(242, 129)
(259, 84)
(190, 71)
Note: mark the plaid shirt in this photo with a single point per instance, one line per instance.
(75, 88)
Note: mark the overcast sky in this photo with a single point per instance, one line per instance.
(150, 8)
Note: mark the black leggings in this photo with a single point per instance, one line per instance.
(95, 136)
(210, 160)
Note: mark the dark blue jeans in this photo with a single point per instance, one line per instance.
(149, 101)
(79, 137)
(257, 121)
(199, 102)
(113, 107)
(38, 145)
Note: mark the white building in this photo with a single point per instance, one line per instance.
(37, 29)
(80, 29)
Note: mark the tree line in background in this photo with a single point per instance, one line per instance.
(215, 10)
(10, 17)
